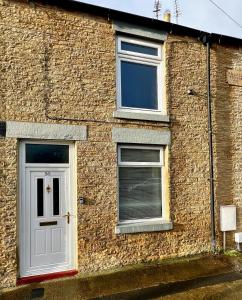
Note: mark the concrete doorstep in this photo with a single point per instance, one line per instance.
(144, 281)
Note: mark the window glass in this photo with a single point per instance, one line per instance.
(140, 155)
(139, 193)
(56, 197)
(139, 48)
(138, 85)
(43, 153)
(40, 197)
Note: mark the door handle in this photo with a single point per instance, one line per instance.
(68, 217)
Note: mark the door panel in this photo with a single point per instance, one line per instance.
(56, 238)
(40, 242)
(48, 200)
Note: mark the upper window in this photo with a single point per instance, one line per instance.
(139, 75)
(140, 183)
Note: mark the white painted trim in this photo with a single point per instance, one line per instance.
(141, 43)
(46, 131)
(72, 228)
(137, 164)
(159, 84)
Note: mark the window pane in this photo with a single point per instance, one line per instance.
(56, 197)
(139, 193)
(140, 155)
(42, 153)
(139, 48)
(40, 197)
(139, 85)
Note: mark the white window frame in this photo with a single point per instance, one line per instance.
(142, 164)
(141, 58)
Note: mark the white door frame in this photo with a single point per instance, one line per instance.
(23, 224)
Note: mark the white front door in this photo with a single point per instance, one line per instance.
(48, 198)
(47, 219)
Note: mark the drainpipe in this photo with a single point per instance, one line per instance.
(206, 40)
(210, 141)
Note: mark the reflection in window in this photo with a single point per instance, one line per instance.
(138, 85)
(140, 155)
(139, 48)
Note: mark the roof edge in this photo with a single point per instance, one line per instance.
(111, 14)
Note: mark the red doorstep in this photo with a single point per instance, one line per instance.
(39, 278)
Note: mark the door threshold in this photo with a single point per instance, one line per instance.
(44, 277)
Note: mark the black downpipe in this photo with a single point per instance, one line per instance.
(206, 39)
(210, 142)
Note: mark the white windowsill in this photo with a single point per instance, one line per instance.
(146, 226)
(146, 116)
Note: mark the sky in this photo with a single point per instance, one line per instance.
(199, 14)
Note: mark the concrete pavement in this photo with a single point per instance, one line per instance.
(183, 278)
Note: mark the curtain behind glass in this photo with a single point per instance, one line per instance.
(139, 193)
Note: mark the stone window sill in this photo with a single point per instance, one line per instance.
(147, 226)
(121, 114)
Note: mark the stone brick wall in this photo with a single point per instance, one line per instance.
(186, 68)
(8, 212)
(62, 64)
(227, 132)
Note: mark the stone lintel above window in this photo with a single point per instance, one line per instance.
(30, 130)
(141, 136)
(140, 31)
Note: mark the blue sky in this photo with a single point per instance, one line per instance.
(199, 14)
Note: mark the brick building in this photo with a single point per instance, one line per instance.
(104, 141)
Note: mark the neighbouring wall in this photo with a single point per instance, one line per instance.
(227, 106)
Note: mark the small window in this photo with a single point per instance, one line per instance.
(45, 153)
(131, 47)
(139, 75)
(140, 183)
